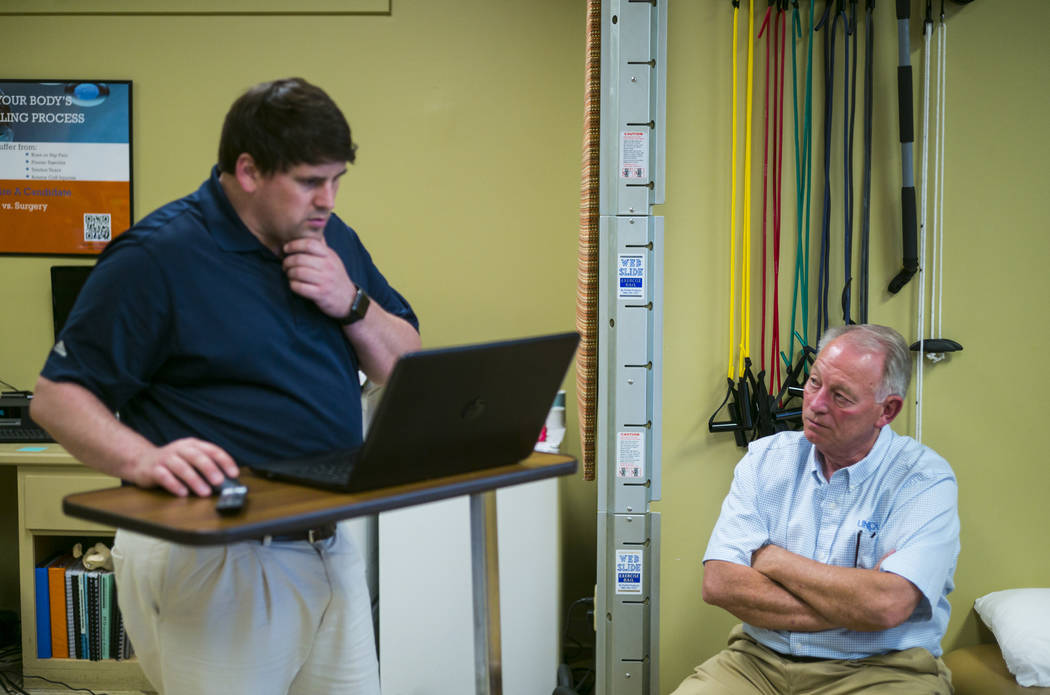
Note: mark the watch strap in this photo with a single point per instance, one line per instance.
(358, 308)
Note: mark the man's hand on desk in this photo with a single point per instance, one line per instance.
(183, 465)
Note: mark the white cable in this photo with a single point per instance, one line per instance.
(927, 30)
(936, 137)
(937, 259)
(942, 42)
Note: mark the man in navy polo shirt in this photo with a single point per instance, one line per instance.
(227, 327)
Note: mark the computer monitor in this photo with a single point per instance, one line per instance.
(66, 281)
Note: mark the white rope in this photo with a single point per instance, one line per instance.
(927, 31)
(936, 136)
(937, 262)
(942, 62)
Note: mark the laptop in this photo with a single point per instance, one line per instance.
(444, 412)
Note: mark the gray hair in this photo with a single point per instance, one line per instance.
(882, 340)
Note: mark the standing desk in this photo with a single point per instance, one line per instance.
(275, 507)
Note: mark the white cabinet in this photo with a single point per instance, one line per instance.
(425, 602)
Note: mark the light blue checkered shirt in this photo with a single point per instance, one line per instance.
(902, 496)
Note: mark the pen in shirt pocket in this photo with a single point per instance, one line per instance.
(856, 549)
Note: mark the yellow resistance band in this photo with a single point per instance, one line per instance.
(745, 274)
(732, 210)
(745, 282)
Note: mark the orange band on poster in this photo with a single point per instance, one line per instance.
(62, 217)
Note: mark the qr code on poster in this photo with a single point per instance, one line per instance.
(97, 227)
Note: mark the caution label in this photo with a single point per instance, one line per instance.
(634, 154)
(630, 455)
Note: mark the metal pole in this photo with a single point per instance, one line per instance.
(488, 668)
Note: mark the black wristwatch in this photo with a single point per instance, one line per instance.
(358, 308)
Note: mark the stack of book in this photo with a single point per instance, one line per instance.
(76, 612)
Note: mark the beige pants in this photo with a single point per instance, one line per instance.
(746, 666)
(289, 617)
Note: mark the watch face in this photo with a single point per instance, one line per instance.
(358, 308)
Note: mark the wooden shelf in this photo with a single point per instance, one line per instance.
(46, 473)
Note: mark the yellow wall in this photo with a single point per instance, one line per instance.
(469, 118)
(982, 406)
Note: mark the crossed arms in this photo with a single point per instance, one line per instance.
(785, 591)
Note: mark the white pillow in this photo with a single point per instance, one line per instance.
(1020, 621)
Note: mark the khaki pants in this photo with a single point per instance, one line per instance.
(285, 618)
(746, 666)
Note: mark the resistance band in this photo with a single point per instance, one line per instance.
(823, 317)
(745, 242)
(738, 397)
(736, 419)
(849, 112)
(785, 414)
(732, 203)
(778, 187)
(775, 48)
(803, 185)
(865, 205)
(909, 245)
(765, 179)
(762, 395)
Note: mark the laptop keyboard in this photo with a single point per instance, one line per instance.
(331, 469)
(24, 434)
(334, 470)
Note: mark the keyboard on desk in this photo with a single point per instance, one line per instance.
(329, 470)
(24, 434)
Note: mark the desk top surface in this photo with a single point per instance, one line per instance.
(35, 453)
(275, 507)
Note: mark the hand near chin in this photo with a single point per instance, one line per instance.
(317, 273)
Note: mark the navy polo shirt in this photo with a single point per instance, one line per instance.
(188, 327)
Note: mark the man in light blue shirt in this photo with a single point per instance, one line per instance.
(836, 545)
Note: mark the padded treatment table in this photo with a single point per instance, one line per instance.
(980, 670)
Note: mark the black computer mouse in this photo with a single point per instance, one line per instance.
(231, 494)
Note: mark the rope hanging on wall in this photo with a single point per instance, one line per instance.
(932, 348)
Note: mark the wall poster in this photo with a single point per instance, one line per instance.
(65, 165)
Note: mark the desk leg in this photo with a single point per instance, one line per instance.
(488, 669)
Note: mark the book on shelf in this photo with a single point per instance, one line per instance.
(94, 616)
(71, 614)
(123, 647)
(56, 581)
(105, 612)
(83, 651)
(43, 611)
(77, 615)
